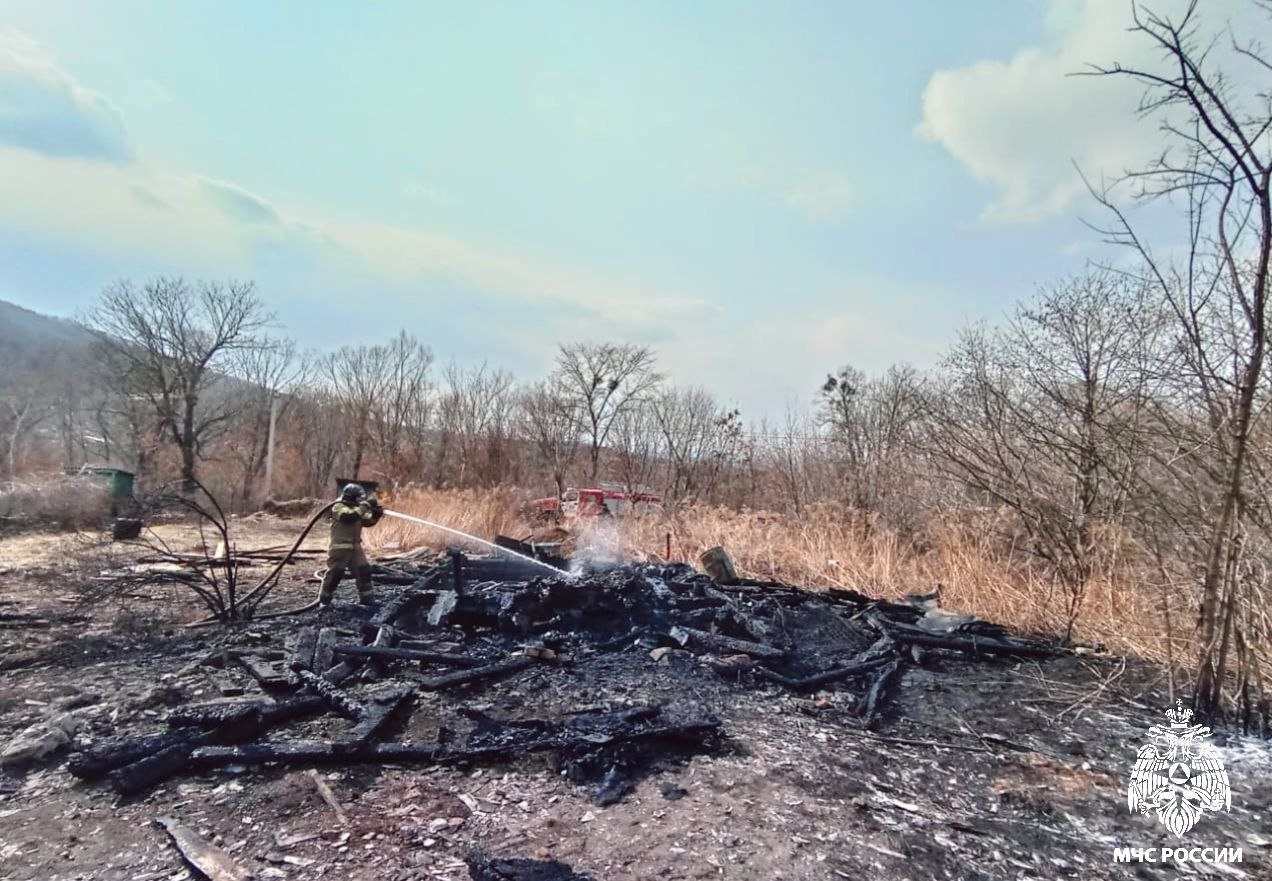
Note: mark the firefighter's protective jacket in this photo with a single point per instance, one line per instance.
(347, 522)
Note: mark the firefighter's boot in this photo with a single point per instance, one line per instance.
(363, 576)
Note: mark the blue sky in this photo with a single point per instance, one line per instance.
(761, 191)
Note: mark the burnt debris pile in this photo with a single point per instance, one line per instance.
(480, 660)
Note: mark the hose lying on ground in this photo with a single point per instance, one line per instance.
(261, 590)
(312, 604)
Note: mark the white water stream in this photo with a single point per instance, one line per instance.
(480, 541)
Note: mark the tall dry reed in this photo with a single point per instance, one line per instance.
(824, 548)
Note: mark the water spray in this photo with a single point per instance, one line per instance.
(490, 544)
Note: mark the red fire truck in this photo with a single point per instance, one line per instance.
(604, 500)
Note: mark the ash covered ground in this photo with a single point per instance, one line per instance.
(639, 722)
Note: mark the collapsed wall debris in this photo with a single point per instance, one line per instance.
(460, 626)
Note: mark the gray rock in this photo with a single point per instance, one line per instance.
(39, 741)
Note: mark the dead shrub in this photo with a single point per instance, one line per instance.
(54, 501)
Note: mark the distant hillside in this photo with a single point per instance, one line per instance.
(29, 333)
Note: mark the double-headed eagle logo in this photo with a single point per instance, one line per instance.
(1178, 774)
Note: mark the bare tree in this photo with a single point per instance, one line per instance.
(354, 374)
(168, 341)
(25, 404)
(790, 454)
(472, 417)
(699, 438)
(319, 424)
(872, 424)
(384, 390)
(550, 422)
(403, 402)
(636, 442)
(1040, 416)
(603, 380)
(1217, 162)
(269, 375)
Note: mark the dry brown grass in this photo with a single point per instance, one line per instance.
(57, 501)
(483, 513)
(827, 548)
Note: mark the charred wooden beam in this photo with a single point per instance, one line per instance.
(971, 643)
(154, 769)
(380, 710)
(457, 572)
(338, 673)
(285, 752)
(442, 607)
(316, 751)
(401, 654)
(878, 690)
(107, 755)
(880, 653)
(264, 672)
(214, 714)
(817, 680)
(397, 579)
(289, 710)
(702, 641)
(327, 638)
(335, 698)
(404, 602)
(383, 621)
(302, 655)
(476, 674)
(384, 638)
(131, 774)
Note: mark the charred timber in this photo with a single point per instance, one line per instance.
(976, 645)
(302, 656)
(878, 693)
(404, 602)
(216, 713)
(476, 674)
(314, 751)
(380, 711)
(107, 755)
(141, 762)
(401, 654)
(818, 680)
(336, 699)
(327, 638)
(701, 641)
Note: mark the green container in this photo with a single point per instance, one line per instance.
(119, 482)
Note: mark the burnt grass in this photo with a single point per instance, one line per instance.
(630, 744)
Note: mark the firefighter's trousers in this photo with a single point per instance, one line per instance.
(338, 561)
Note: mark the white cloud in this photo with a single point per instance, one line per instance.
(236, 202)
(1021, 124)
(45, 110)
(219, 227)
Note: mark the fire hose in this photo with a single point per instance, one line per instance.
(254, 596)
(259, 592)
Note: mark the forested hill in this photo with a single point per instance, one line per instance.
(28, 334)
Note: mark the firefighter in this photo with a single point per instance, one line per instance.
(351, 512)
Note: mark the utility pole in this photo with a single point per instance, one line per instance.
(269, 448)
